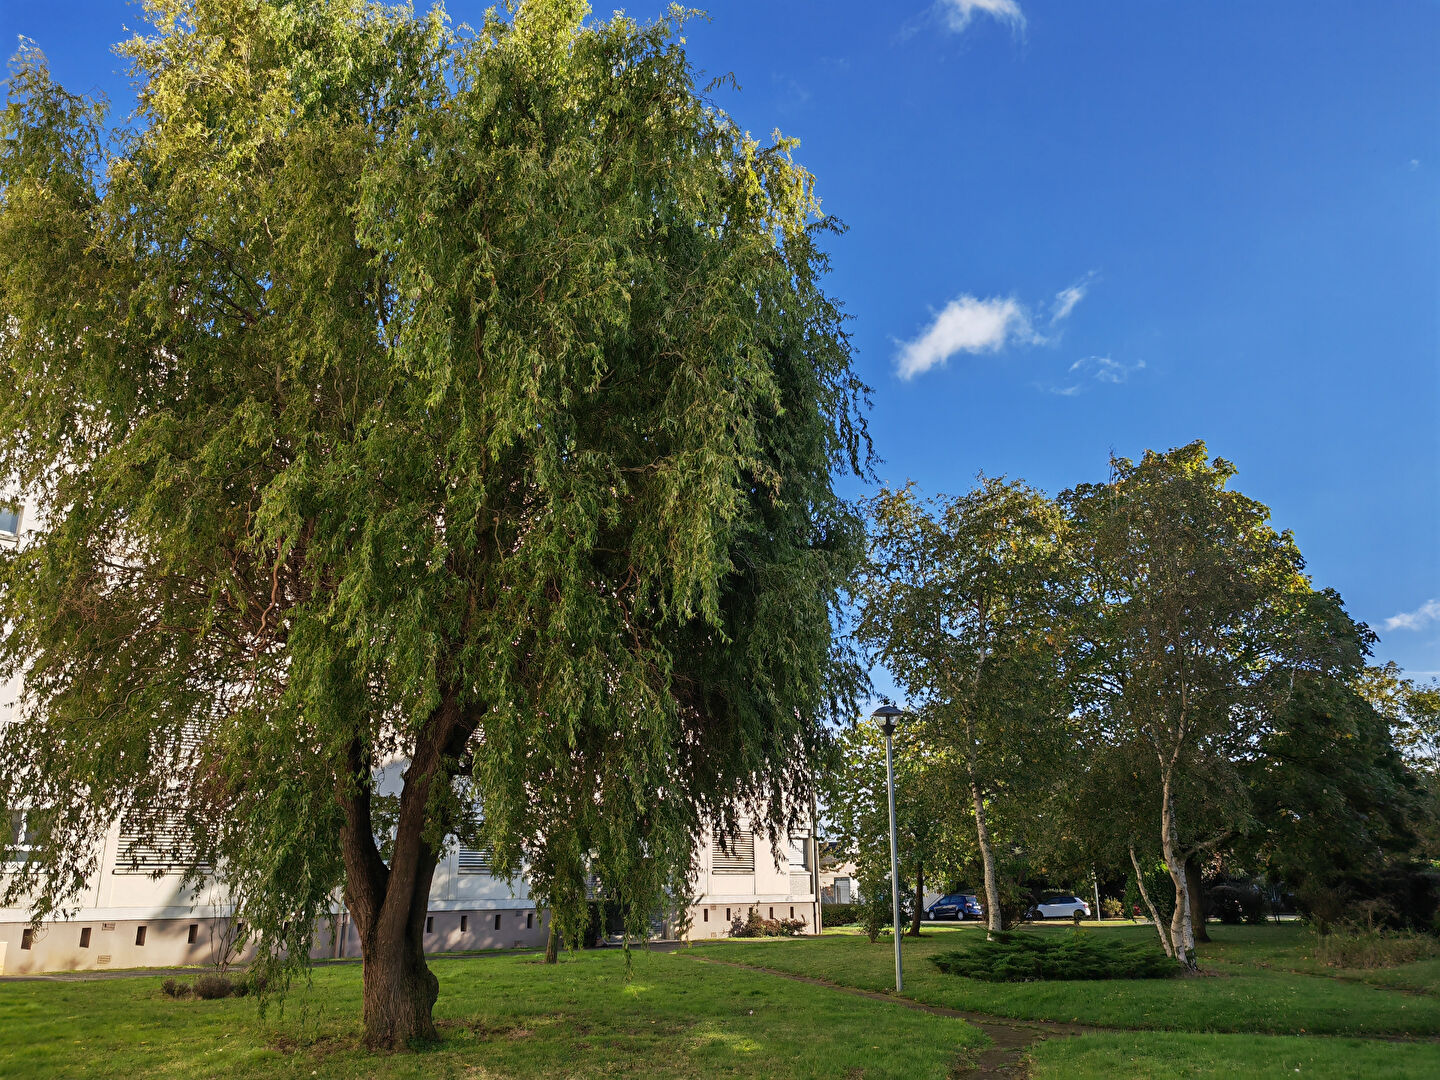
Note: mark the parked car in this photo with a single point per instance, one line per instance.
(958, 906)
(1060, 907)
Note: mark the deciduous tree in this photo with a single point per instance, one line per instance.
(399, 393)
(962, 599)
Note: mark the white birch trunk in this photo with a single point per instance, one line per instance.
(1150, 906)
(1182, 932)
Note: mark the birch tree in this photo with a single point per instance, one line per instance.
(1191, 598)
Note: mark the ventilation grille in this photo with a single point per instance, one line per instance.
(734, 854)
(475, 861)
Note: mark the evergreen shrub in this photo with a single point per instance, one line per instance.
(1077, 954)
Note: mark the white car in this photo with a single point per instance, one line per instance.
(1060, 907)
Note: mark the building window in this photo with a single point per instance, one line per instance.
(772, 913)
(529, 920)
(497, 920)
(464, 923)
(17, 844)
(706, 915)
(792, 911)
(140, 935)
(27, 938)
(85, 938)
(798, 852)
(194, 934)
(727, 914)
(429, 924)
(734, 854)
(9, 520)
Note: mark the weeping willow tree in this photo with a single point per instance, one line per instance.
(398, 392)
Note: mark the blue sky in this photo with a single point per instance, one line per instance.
(1078, 228)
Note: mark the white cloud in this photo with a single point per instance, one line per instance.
(967, 324)
(1066, 299)
(958, 14)
(1422, 616)
(1097, 369)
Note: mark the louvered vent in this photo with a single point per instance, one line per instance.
(472, 861)
(734, 854)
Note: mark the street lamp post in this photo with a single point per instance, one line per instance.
(889, 716)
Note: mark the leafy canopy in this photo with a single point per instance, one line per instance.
(396, 390)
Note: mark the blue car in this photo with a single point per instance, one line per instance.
(955, 906)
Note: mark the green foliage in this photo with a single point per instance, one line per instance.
(840, 914)
(876, 908)
(754, 925)
(1078, 954)
(396, 391)
(962, 600)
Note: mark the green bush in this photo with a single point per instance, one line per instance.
(1079, 954)
(1111, 908)
(211, 987)
(753, 925)
(840, 914)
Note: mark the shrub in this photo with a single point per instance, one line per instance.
(1236, 903)
(875, 906)
(754, 925)
(1078, 954)
(1111, 908)
(175, 989)
(840, 914)
(210, 987)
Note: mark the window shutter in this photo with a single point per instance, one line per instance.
(734, 855)
(156, 840)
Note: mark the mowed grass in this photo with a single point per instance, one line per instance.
(500, 1017)
(1256, 980)
(1185, 1056)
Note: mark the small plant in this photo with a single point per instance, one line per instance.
(175, 989)
(875, 908)
(1079, 954)
(211, 987)
(1111, 908)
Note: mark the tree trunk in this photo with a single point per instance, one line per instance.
(552, 942)
(1181, 927)
(1150, 906)
(1197, 900)
(399, 989)
(993, 920)
(389, 904)
(919, 899)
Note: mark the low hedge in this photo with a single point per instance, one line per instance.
(839, 914)
(1078, 954)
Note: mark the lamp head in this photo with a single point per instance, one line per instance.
(889, 716)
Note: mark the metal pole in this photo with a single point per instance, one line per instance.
(894, 864)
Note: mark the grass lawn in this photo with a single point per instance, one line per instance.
(1247, 987)
(500, 1016)
(1183, 1056)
